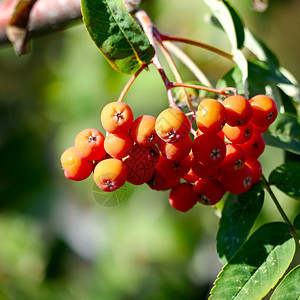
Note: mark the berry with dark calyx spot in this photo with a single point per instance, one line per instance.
(254, 147)
(238, 135)
(255, 168)
(235, 158)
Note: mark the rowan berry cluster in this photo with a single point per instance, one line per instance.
(223, 155)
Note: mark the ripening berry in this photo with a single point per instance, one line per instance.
(234, 160)
(237, 182)
(116, 117)
(175, 151)
(89, 144)
(182, 197)
(238, 135)
(172, 125)
(110, 174)
(118, 145)
(255, 147)
(172, 169)
(209, 149)
(75, 168)
(143, 131)
(239, 110)
(255, 168)
(160, 183)
(211, 116)
(204, 171)
(264, 110)
(208, 191)
(138, 172)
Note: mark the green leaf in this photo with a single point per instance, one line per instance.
(287, 102)
(296, 222)
(286, 178)
(229, 20)
(284, 133)
(238, 215)
(116, 34)
(289, 287)
(257, 266)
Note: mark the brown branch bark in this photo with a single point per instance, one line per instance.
(46, 15)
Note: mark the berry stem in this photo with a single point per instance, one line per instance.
(173, 67)
(130, 82)
(147, 26)
(281, 211)
(204, 88)
(188, 62)
(198, 44)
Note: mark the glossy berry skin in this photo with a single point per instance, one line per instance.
(160, 183)
(208, 191)
(203, 171)
(75, 168)
(254, 147)
(237, 182)
(175, 151)
(211, 116)
(172, 169)
(238, 135)
(239, 110)
(118, 145)
(182, 197)
(172, 125)
(264, 110)
(259, 129)
(116, 117)
(110, 174)
(256, 170)
(209, 149)
(234, 160)
(143, 131)
(190, 176)
(89, 144)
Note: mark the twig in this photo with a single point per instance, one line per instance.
(188, 62)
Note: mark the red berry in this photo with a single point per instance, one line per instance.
(238, 135)
(182, 198)
(254, 147)
(234, 159)
(256, 170)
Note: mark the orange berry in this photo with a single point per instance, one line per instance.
(172, 125)
(110, 174)
(239, 110)
(255, 168)
(211, 116)
(264, 110)
(237, 182)
(89, 144)
(175, 151)
(254, 147)
(209, 149)
(143, 131)
(116, 117)
(208, 191)
(234, 159)
(182, 197)
(238, 135)
(118, 144)
(75, 168)
(172, 169)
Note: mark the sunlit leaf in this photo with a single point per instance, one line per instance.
(289, 287)
(286, 178)
(238, 215)
(287, 102)
(284, 133)
(116, 34)
(257, 266)
(229, 20)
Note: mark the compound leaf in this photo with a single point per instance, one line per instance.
(284, 133)
(116, 34)
(286, 178)
(238, 215)
(257, 266)
(289, 287)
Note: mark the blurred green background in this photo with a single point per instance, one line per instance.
(63, 240)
